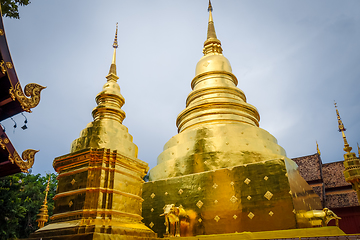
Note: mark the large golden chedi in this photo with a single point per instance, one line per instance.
(218, 128)
(226, 172)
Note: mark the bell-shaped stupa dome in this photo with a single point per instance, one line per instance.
(218, 128)
(107, 130)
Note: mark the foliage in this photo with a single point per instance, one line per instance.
(9, 8)
(21, 197)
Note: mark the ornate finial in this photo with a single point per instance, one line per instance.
(43, 215)
(342, 129)
(317, 148)
(212, 44)
(210, 7)
(115, 46)
(358, 150)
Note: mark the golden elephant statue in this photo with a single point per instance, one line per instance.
(178, 221)
(319, 217)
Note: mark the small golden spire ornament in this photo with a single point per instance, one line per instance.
(342, 129)
(43, 215)
(351, 162)
(212, 45)
(317, 148)
(115, 46)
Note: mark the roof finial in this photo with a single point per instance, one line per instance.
(342, 129)
(210, 7)
(317, 148)
(115, 46)
(358, 150)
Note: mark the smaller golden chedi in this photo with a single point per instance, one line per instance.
(43, 214)
(100, 180)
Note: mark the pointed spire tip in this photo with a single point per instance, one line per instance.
(342, 129)
(115, 45)
(210, 7)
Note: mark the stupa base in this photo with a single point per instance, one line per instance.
(288, 234)
(263, 196)
(73, 231)
(280, 234)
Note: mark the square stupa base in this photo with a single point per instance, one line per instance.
(263, 196)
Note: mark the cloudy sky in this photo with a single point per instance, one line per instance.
(292, 60)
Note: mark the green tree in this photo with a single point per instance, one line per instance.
(10, 8)
(21, 197)
(10, 206)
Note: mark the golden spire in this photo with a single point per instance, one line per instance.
(317, 148)
(358, 150)
(115, 46)
(212, 45)
(43, 215)
(342, 129)
(211, 28)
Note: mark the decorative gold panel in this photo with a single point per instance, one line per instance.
(233, 199)
(268, 195)
(230, 202)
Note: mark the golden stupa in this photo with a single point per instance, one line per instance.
(222, 170)
(100, 180)
(221, 174)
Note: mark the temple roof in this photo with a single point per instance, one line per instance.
(13, 100)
